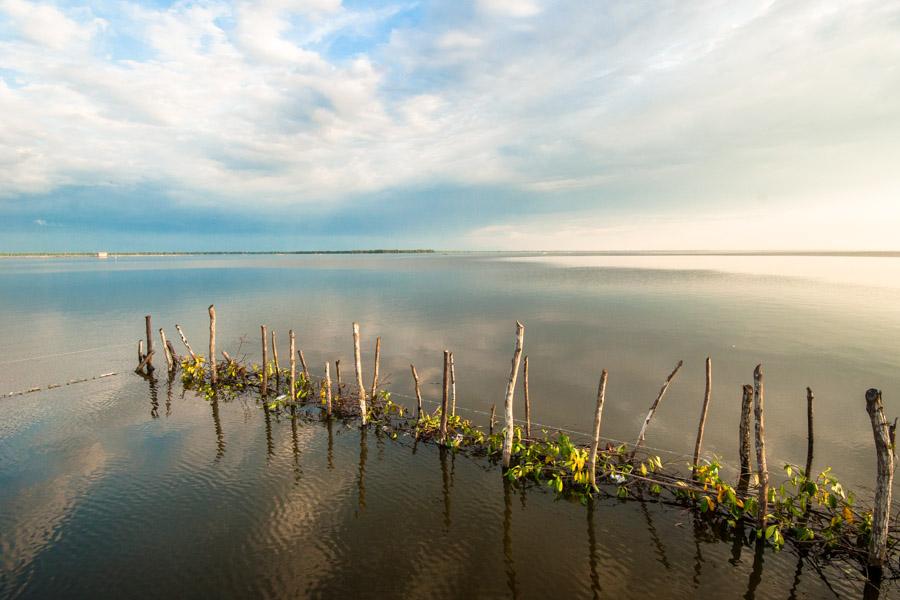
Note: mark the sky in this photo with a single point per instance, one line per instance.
(482, 124)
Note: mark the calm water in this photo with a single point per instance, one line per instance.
(118, 488)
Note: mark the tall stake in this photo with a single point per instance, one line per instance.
(377, 366)
(359, 378)
(140, 351)
(527, 399)
(452, 385)
(149, 328)
(445, 397)
(305, 368)
(703, 413)
(418, 392)
(185, 342)
(340, 383)
(170, 360)
(659, 397)
(759, 403)
(293, 365)
(809, 432)
(884, 446)
(265, 360)
(510, 392)
(744, 439)
(275, 357)
(213, 374)
(595, 447)
(493, 420)
(327, 389)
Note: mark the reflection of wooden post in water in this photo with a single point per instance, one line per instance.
(295, 447)
(217, 424)
(328, 425)
(154, 397)
(445, 485)
(169, 380)
(654, 535)
(592, 548)
(744, 440)
(508, 561)
(698, 553)
(756, 571)
(270, 445)
(361, 479)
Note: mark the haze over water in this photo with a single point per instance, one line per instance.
(111, 485)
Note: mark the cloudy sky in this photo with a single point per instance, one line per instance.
(485, 124)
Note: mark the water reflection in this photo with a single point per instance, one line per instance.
(361, 477)
(329, 425)
(445, 485)
(217, 425)
(154, 396)
(756, 571)
(169, 380)
(270, 445)
(295, 448)
(592, 548)
(654, 535)
(508, 562)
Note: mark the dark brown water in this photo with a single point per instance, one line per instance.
(120, 488)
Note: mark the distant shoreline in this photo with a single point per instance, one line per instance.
(236, 253)
(823, 253)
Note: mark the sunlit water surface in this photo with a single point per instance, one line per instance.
(119, 488)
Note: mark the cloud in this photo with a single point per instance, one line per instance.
(591, 112)
(40, 222)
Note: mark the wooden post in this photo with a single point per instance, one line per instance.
(275, 357)
(510, 392)
(149, 328)
(744, 439)
(140, 351)
(185, 342)
(884, 452)
(174, 354)
(601, 397)
(340, 383)
(305, 368)
(144, 361)
(493, 412)
(213, 374)
(264, 389)
(170, 360)
(327, 389)
(659, 397)
(445, 397)
(418, 392)
(527, 399)
(293, 365)
(703, 413)
(452, 385)
(809, 433)
(759, 404)
(361, 391)
(377, 366)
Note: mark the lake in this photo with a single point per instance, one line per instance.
(115, 487)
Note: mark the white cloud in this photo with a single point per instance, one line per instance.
(510, 8)
(40, 222)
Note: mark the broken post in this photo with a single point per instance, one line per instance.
(510, 392)
(264, 389)
(744, 439)
(595, 447)
(275, 358)
(703, 413)
(759, 402)
(445, 397)
(418, 392)
(377, 366)
(185, 342)
(359, 378)
(213, 375)
(809, 433)
(174, 354)
(659, 397)
(170, 360)
(884, 452)
(527, 399)
(149, 360)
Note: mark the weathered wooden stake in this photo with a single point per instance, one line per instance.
(659, 397)
(275, 357)
(744, 439)
(377, 366)
(265, 360)
(493, 421)
(213, 374)
(327, 389)
(445, 397)
(418, 392)
(144, 361)
(340, 382)
(305, 368)
(170, 360)
(759, 403)
(527, 399)
(185, 342)
(601, 397)
(174, 354)
(149, 328)
(809, 432)
(361, 391)
(510, 393)
(140, 351)
(293, 365)
(452, 385)
(703, 413)
(884, 452)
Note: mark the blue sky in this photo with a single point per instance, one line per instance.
(490, 124)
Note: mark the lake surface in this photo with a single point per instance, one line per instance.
(114, 487)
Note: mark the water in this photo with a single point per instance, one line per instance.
(111, 488)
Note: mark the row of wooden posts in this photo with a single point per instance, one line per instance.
(753, 399)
